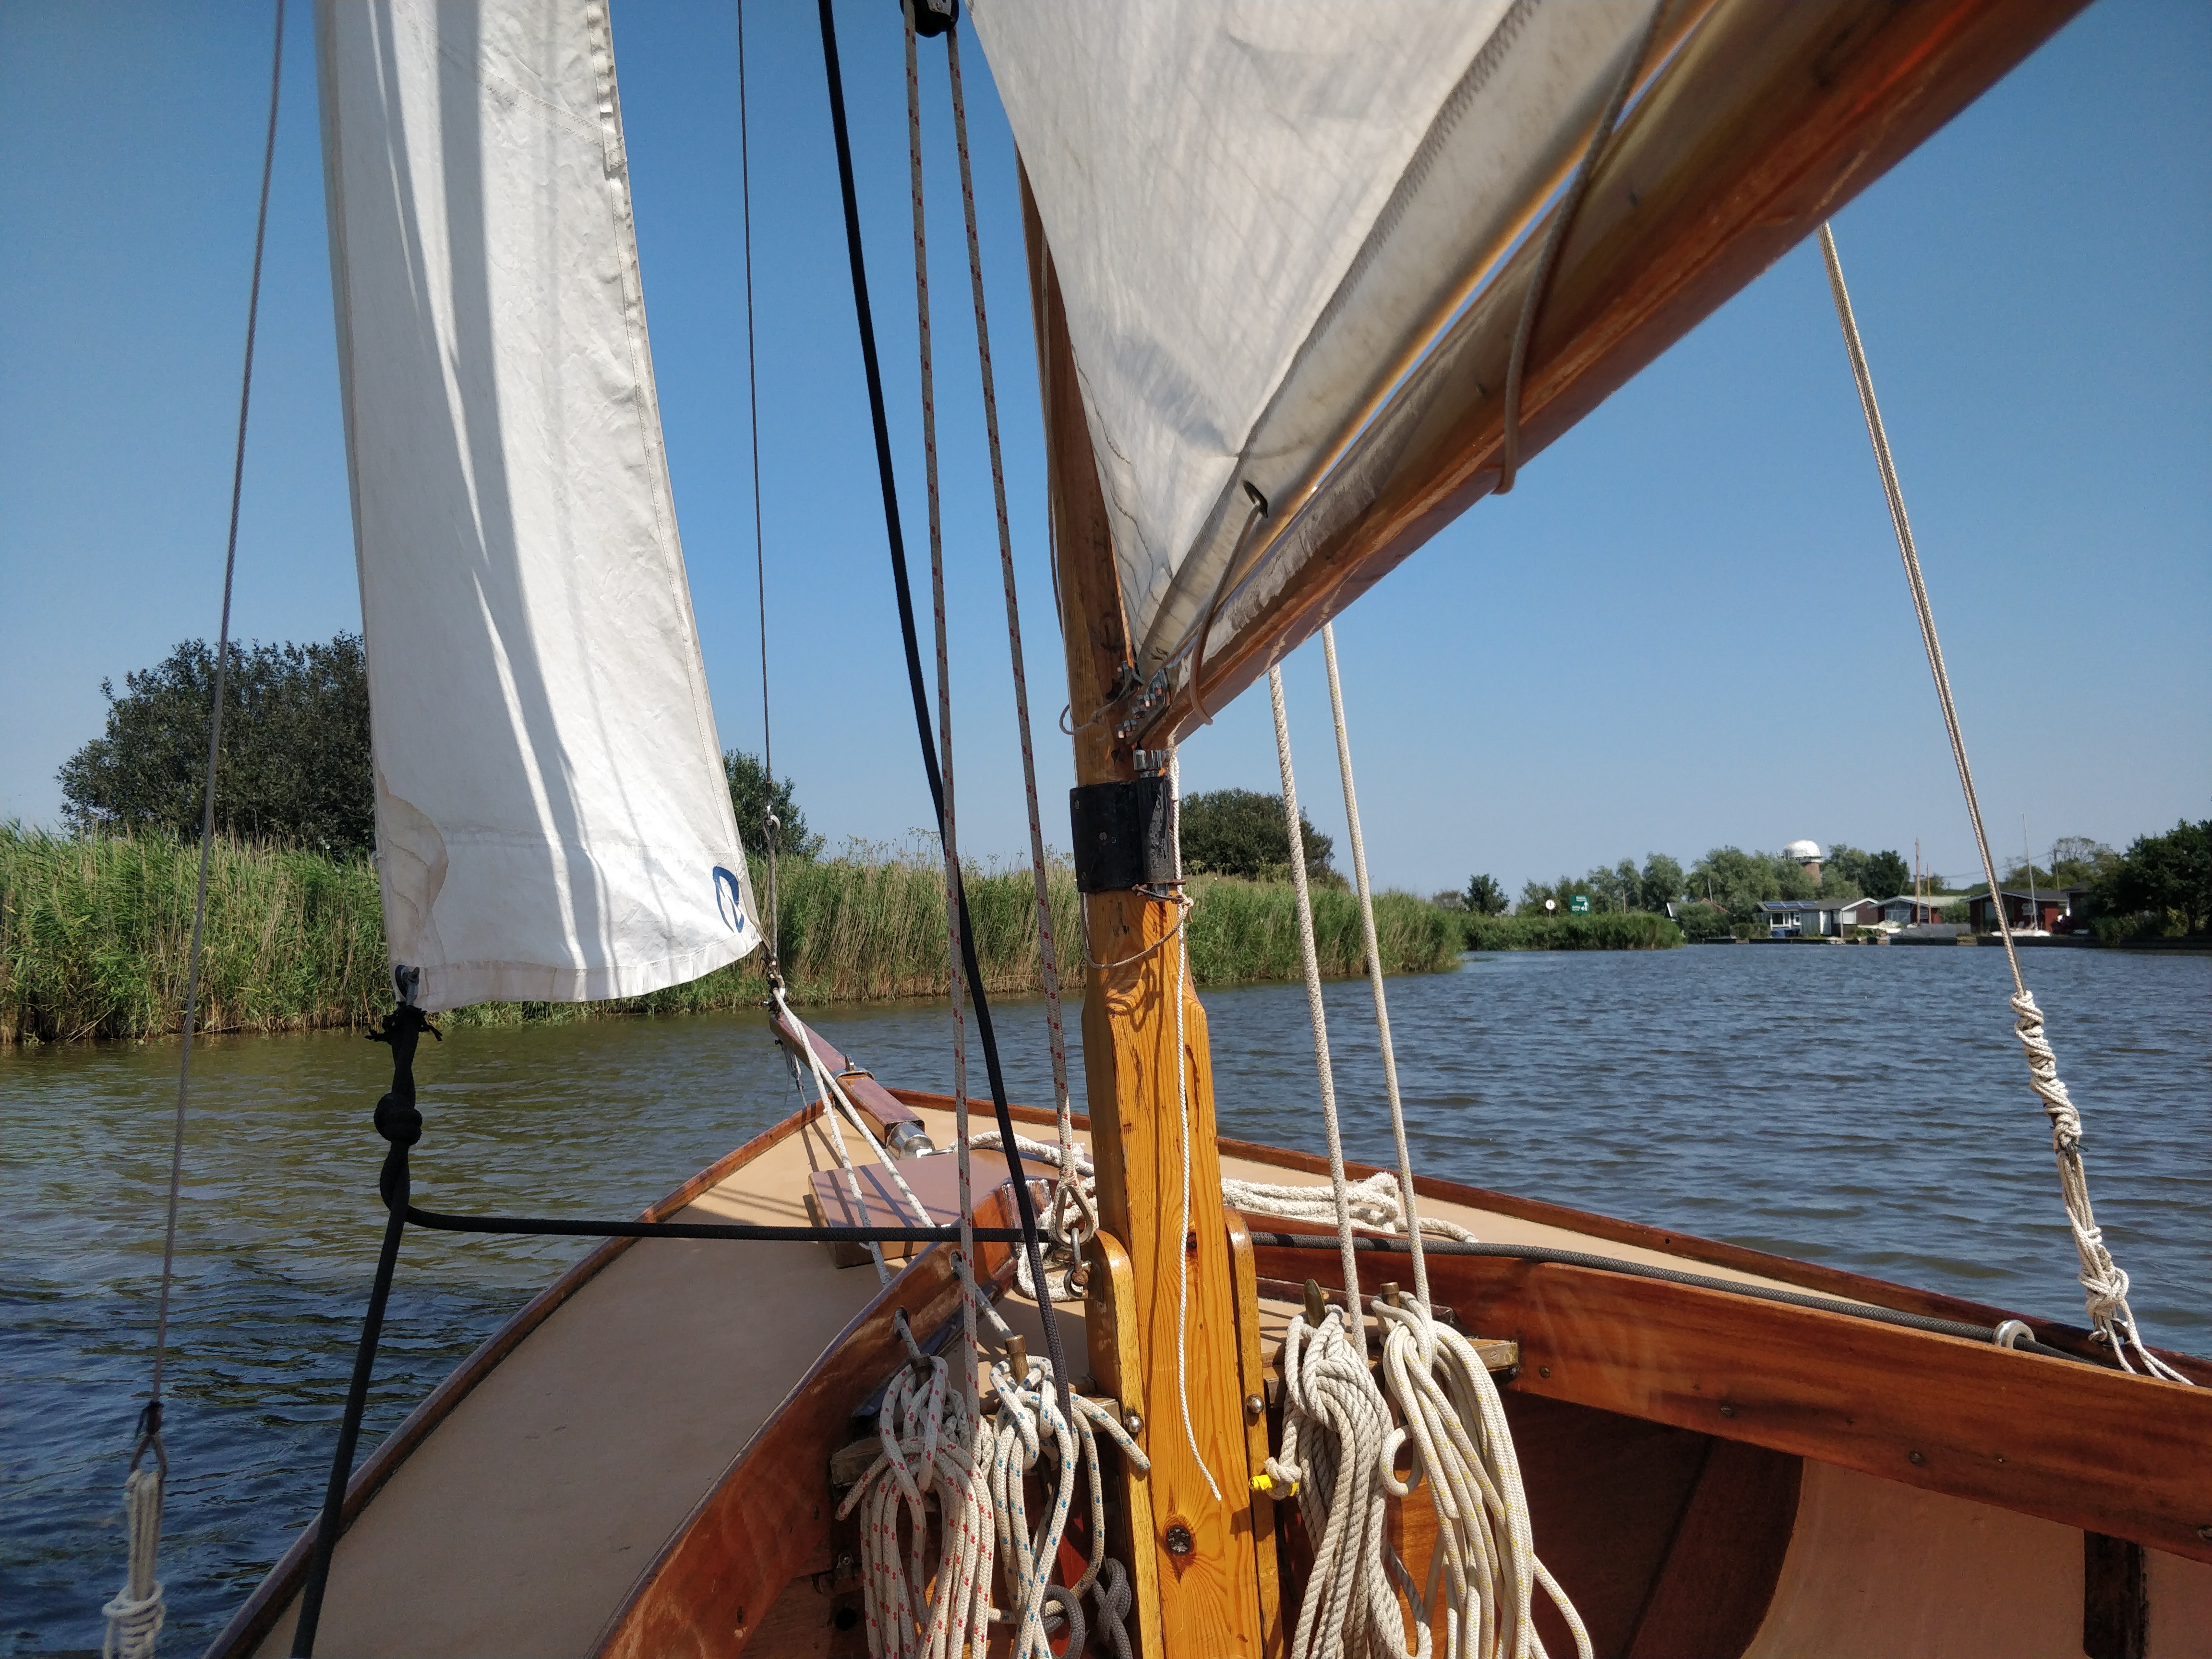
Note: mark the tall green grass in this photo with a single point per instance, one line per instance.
(1636, 931)
(1242, 931)
(94, 934)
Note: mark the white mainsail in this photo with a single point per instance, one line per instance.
(1261, 214)
(552, 823)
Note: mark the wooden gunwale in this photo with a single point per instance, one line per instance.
(261, 1610)
(1839, 1282)
(2078, 1444)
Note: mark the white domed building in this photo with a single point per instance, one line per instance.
(1807, 855)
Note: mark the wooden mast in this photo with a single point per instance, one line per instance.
(1202, 1566)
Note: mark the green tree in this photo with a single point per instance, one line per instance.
(294, 769)
(752, 800)
(1241, 832)
(1661, 883)
(1560, 892)
(2164, 875)
(1887, 875)
(1485, 896)
(1740, 880)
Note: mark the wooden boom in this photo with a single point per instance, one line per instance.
(1768, 120)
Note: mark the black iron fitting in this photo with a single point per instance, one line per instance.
(1124, 834)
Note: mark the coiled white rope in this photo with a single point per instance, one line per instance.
(1373, 1203)
(1486, 1551)
(1485, 1548)
(929, 1445)
(1336, 1446)
(136, 1614)
(1030, 1424)
(2105, 1286)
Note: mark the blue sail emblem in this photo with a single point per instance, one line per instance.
(729, 899)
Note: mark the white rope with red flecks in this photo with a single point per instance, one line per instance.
(2105, 1285)
(1067, 1232)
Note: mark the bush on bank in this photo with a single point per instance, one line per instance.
(1636, 930)
(94, 933)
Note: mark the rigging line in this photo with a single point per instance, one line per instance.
(2103, 1281)
(1540, 279)
(1184, 904)
(1374, 984)
(214, 743)
(769, 822)
(948, 817)
(1315, 1012)
(1047, 952)
(1025, 1210)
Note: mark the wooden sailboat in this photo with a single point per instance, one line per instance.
(1723, 1452)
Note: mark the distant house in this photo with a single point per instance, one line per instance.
(2023, 912)
(1912, 912)
(1859, 913)
(1804, 918)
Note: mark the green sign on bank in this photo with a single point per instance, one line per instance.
(1579, 904)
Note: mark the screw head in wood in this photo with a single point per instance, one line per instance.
(1179, 1541)
(1133, 1423)
(1254, 1406)
(1914, 1457)
(1728, 1411)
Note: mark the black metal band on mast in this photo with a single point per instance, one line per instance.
(976, 997)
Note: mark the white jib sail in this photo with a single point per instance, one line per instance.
(551, 819)
(1260, 213)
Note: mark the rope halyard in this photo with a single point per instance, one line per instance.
(2104, 1284)
(1182, 1135)
(1484, 1560)
(135, 1613)
(1067, 1232)
(948, 825)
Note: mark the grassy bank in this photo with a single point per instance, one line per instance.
(94, 936)
(1635, 931)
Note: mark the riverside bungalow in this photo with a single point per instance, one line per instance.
(2023, 912)
(1912, 912)
(1802, 918)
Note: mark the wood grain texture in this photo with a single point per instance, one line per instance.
(1209, 1590)
(254, 1620)
(1252, 1384)
(1092, 624)
(1714, 1588)
(2075, 1444)
(2115, 1603)
(883, 1111)
(1768, 120)
(1118, 1366)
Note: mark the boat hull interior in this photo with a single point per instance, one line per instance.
(639, 1462)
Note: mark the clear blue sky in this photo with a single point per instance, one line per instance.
(1686, 627)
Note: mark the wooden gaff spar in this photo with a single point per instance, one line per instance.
(1721, 1456)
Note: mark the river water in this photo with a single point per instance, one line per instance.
(1864, 1108)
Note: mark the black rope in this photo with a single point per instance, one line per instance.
(1673, 1276)
(977, 999)
(736, 1230)
(400, 1124)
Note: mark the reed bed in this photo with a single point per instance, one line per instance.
(1244, 930)
(94, 934)
(1636, 931)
